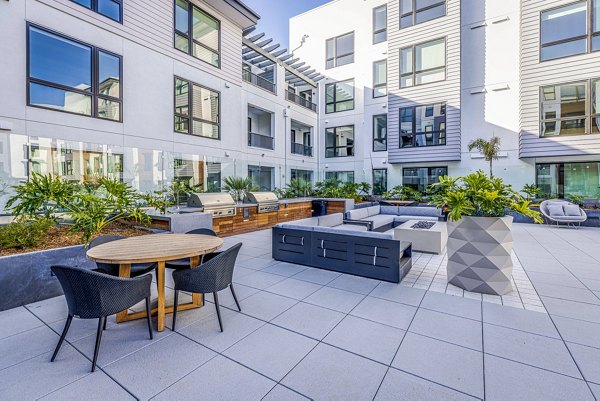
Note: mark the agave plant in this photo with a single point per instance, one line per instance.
(237, 187)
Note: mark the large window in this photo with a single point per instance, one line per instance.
(306, 175)
(570, 109)
(423, 63)
(197, 33)
(380, 133)
(380, 78)
(70, 76)
(339, 141)
(342, 176)
(570, 30)
(197, 109)
(380, 24)
(414, 12)
(559, 180)
(339, 51)
(423, 125)
(420, 178)
(339, 96)
(380, 181)
(112, 9)
(262, 177)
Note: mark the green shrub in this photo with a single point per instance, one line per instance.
(24, 234)
(402, 192)
(237, 187)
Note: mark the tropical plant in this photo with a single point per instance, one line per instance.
(24, 233)
(298, 187)
(531, 191)
(364, 189)
(237, 187)
(402, 192)
(577, 199)
(334, 188)
(489, 149)
(41, 194)
(479, 195)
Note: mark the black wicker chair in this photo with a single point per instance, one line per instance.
(137, 269)
(184, 263)
(211, 276)
(93, 295)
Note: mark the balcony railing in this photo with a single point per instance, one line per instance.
(292, 97)
(261, 141)
(300, 149)
(259, 81)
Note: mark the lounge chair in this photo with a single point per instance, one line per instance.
(561, 211)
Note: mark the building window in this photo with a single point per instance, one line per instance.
(570, 109)
(379, 181)
(112, 9)
(417, 128)
(380, 133)
(197, 33)
(306, 175)
(70, 76)
(380, 78)
(559, 180)
(420, 178)
(423, 63)
(339, 96)
(342, 176)
(196, 109)
(262, 177)
(380, 24)
(564, 31)
(339, 51)
(339, 141)
(414, 12)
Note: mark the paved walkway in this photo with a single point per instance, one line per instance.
(311, 334)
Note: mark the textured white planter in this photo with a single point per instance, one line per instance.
(479, 254)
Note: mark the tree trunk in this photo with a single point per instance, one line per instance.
(491, 173)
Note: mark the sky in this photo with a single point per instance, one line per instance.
(276, 13)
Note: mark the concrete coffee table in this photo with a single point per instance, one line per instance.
(432, 240)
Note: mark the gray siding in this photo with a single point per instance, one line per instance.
(447, 91)
(535, 74)
(150, 24)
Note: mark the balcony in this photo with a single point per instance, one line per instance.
(300, 149)
(292, 97)
(261, 141)
(259, 81)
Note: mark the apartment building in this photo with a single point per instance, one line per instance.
(149, 93)
(524, 71)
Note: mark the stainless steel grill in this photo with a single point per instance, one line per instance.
(219, 204)
(267, 201)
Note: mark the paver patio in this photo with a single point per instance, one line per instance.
(306, 333)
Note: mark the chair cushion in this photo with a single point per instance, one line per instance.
(374, 210)
(389, 210)
(556, 210)
(569, 219)
(572, 210)
(358, 214)
(331, 220)
(380, 220)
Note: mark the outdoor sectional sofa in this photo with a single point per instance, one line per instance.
(327, 242)
(383, 218)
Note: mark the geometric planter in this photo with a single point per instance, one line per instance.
(479, 254)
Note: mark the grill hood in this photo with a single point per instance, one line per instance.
(262, 197)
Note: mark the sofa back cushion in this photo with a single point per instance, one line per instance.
(293, 226)
(309, 222)
(331, 220)
(571, 210)
(358, 214)
(374, 210)
(389, 210)
(367, 234)
(419, 211)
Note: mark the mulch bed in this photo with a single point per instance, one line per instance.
(60, 237)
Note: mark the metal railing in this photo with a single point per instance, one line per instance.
(259, 81)
(292, 97)
(300, 149)
(261, 141)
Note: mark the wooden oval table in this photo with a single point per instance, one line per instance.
(155, 248)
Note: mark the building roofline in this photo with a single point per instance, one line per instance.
(314, 9)
(244, 10)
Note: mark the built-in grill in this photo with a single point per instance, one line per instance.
(267, 201)
(219, 204)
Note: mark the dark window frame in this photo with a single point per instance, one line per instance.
(94, 94)
(385, 170)
(380, 86)
(588, 35)
(94, 7)
(429, 170)
(378, 31)
(335, 55)
(385, 140)
(414, 71)
(335, 102)
(336, 174)
(335, 147)
(191, 41)
(414, 133)
(414, 11)
(191, 117)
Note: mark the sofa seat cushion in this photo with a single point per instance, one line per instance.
(357, 214)
(331, 220)
(405, 218)
(572, 210)
(366, 234)
(380, 220)
(569, 219)
(351, 227)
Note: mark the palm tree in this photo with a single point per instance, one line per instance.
(489, 149)
(237, 187)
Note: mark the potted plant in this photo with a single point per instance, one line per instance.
(479, 230)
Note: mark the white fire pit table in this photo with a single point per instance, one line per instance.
(430, 240)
